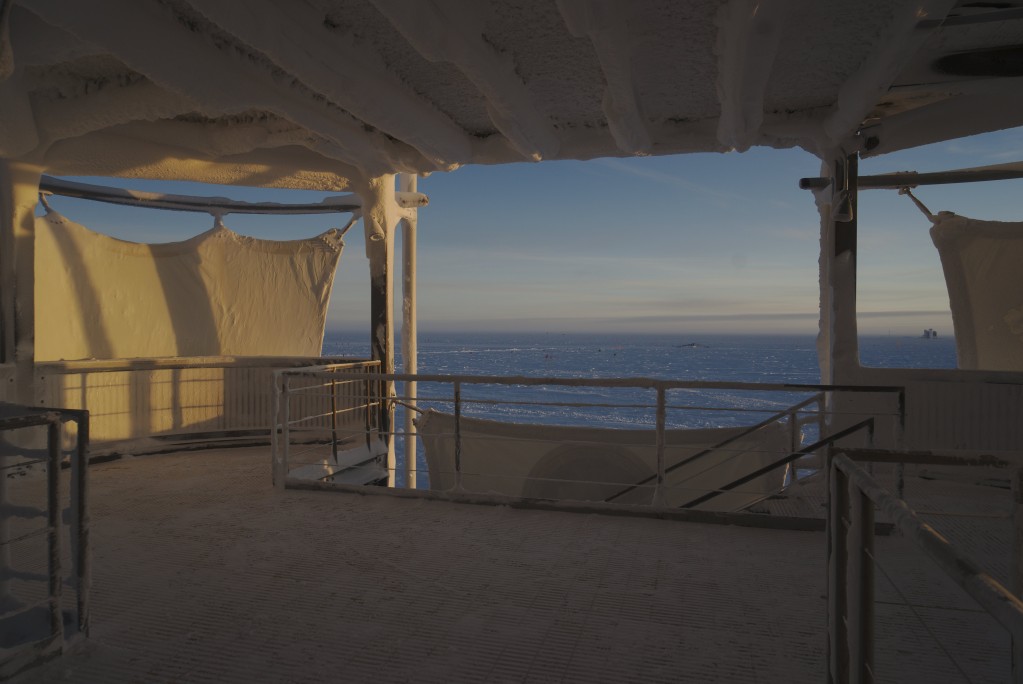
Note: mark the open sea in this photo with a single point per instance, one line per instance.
(736, 358)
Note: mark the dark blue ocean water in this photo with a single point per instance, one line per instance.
(735, 358)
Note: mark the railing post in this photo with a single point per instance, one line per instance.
(53, 520)
(285, 432)
(1016, 566)
(458, 435)
(81, 522)
(795, 439)
(275, 426)
(368, 396)
(860, 628)
(837, 539)
(900, 436)
(333, 417)
(658, 498)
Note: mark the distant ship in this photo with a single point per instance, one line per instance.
(929, 333)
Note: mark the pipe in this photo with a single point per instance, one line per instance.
(903, 179)
(409, 325)
(218, 206)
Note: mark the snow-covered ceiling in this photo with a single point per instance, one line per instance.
(311, 93)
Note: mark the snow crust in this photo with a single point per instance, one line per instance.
(327, 93)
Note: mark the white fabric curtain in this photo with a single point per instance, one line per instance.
(983, 265)
(217, 294)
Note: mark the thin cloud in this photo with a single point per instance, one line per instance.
(667, 179)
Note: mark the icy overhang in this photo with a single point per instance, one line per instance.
(313, 93)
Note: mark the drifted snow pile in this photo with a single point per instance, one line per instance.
(217, 294)
(981, 261)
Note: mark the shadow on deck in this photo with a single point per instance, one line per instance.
(204, 573)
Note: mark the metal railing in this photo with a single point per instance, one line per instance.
(340, 405)
(854, 496)
(660, 442)
(153, 404)
(34, 648)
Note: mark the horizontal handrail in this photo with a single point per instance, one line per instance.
(187, 362)
(220, 205)
(928, 458)
(641, 383)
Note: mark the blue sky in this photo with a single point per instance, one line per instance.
(684, 244)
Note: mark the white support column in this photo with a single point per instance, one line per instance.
(19, 194)
(837, 343)
(381, 215)
(409, 326)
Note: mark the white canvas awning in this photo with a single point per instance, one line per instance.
(981, 261)
(217, 294)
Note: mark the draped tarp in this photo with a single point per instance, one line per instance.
(597, 464)
(983, 265)
(217, 294)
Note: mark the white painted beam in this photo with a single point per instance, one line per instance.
(958, 116)
(749, 32)
(912, 23)
(295, 39)
(452, 31)
(169, 49)
(605, 25)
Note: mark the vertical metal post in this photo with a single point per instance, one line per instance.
(275, 441)
(458, 435)
(794, 440)
(409, 325)
(1016, 566)
(900, 468)
(81, 523)
(822, 418)
(333, 417)
(838, 559)
(794, 437)
(285, 432)
(53, 509)
(658, 499)
(860, 630)
(369, 400)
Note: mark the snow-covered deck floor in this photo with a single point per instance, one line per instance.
(203, 573)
